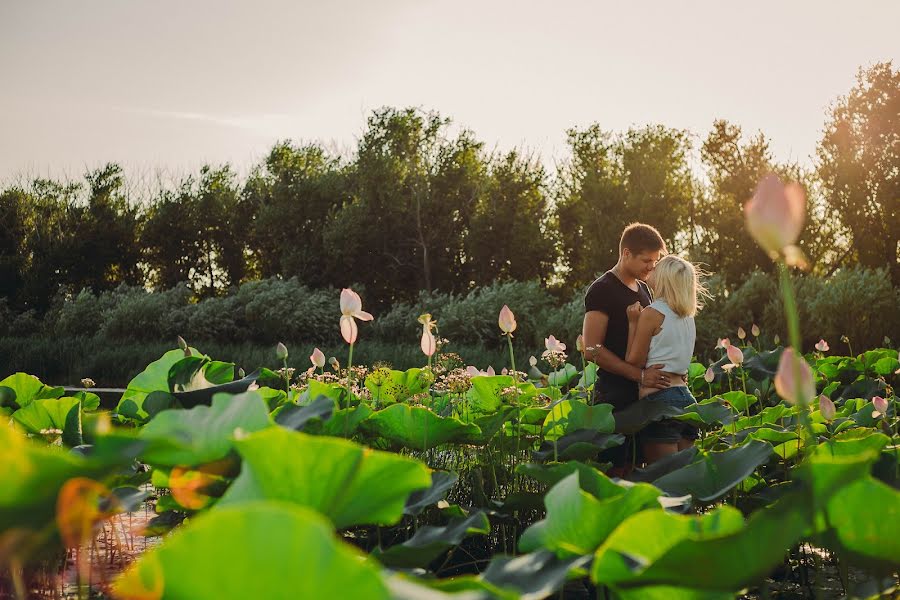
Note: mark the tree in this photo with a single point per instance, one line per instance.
(287, 202)
(510, 236)
(859, 167)
(611, 181)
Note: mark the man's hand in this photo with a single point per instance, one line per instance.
(655, 378)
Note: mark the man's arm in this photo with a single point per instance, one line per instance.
(594, 333)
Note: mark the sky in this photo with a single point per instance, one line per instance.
(163, 86)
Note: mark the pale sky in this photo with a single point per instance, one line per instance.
(163, 84)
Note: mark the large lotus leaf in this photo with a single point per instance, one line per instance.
(738, 400)
(715, 473)
(388, 386)
(430, 541)
(532, 576)
(491, 424)
(204, 433)
(63, 414)
(418, 428)
(763, 364)
(582, 444)
(199, 372)
(348, 483)
(485, 396)
(465, 587)
(886, 366)
(20, 389)
(218, 380)
(773, 436)
(839, 461)
(707, 412)
(636, 416)
(571, 415)
(588, 375)
(577, 522)
(724, 559)
(562, 376)
(441, 482)
(590, 479)
(646, 536)
(32, 475)
(665, 465)
(285, 552)
(296, 417)
(862, 523)
(343, 422)
(778, 414)
(154, 378)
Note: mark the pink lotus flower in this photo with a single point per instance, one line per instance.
(741, 333)
(317, 358)
(794, 379)
(881, 407)
(351, 309)
(822, 346)
(474, 372)
(709, 375)
(734, 355)
(579, 343)
(775, 215)
(754, 330)
(507, 320)
(826, 407)
(554, 345)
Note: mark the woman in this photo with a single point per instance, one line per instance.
(664, 333)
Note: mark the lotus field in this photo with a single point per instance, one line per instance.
(446, 481)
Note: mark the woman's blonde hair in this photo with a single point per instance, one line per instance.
(677, 281)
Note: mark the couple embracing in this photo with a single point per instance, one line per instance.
(639, 330)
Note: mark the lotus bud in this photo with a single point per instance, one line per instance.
(579, 343)
(184, 346)
(507, 320)
(709, 376)
(881, 406)
(490, 371)
(794, 379)
(532, 361)
(822, 346)
(281, 351)
(472, 371)
(755, 330)
(504, 371)
(428, 343)
(826, 407)
(741, 333)
(317, 358)
(734, 355)
(241, 373)
(334, 363)
(775, 214)
(777, 339)
(723, 343)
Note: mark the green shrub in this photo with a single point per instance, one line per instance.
(147, 316)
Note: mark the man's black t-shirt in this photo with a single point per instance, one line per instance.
(609, 295)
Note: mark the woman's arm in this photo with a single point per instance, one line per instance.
(639, 334)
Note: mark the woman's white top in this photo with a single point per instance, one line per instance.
(674, 345)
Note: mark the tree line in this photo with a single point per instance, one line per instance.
(420, 206)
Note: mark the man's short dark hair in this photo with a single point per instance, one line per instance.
(640, 237)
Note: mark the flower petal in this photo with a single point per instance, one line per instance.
(348, 329)
(350, 302)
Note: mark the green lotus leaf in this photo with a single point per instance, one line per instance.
(441, 482)
(429, 542)
(20, 389)
(582, 444)
(296, 417)
(561, 377)
(286, 552)
(63, 414)
(204, 433)
(577, 522)
(713, 474)
(348, 483)
(418, 428)
(154, 378)
(532, 576)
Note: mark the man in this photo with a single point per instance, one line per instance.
(605, 328)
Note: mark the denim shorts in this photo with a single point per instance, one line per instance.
(670, 430)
